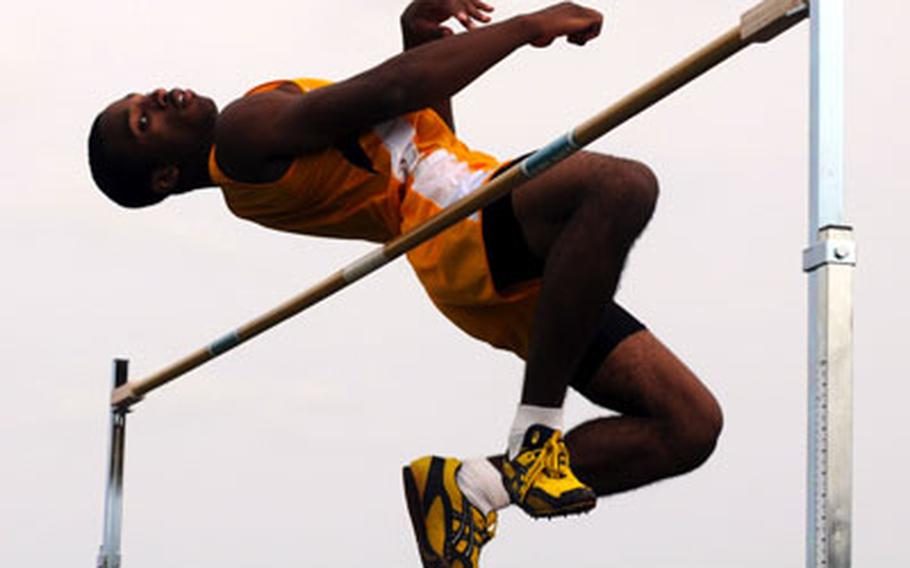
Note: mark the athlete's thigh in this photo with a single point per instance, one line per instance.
(544, 204)
(642, 377)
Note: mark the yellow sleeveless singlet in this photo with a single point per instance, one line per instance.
(387, 181)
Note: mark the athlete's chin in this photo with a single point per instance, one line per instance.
(201, 113)
(207, 103)
(206, 109)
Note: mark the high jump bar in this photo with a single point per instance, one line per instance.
(762, 23)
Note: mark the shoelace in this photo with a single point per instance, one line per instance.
(555, 458)
(552, 460)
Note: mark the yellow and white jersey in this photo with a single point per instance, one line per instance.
(384, 182)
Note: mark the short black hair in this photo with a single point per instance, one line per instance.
(125, 181)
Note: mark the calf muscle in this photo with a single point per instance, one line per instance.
(669, 422)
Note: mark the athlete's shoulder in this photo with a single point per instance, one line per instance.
(261, 110)
(250, 131)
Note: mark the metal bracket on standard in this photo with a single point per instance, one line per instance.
(834, 246)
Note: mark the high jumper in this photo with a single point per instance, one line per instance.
(532, 271)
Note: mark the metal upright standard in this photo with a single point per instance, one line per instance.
(829, 261)
(763, 23)
(109, 556)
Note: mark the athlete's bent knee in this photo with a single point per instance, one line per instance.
(640, 189)
(627, 193)
(645, 182)
(693, 440)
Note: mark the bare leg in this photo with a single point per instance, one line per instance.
(669, 423)
(582, 217)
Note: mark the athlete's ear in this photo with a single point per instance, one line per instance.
(164, 179)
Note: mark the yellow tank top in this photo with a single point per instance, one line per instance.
(355, 190)
(389, 180)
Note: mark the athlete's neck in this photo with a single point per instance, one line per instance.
(194, 173)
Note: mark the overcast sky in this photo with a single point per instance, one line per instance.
(287, 452)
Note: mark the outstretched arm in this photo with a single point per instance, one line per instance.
(284, 124)
(421, 22)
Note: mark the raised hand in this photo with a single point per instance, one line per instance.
(578, 23)
(422, 20)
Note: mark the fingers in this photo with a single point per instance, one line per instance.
(591, 31)
(578, 24)
(482, 5)
(464, 19)
(469, 11)
(584, 36)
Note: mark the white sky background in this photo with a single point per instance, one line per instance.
(287, 451)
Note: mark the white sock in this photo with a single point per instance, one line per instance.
(481, 483)
(527, 416)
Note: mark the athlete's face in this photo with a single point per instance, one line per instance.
(161, 127)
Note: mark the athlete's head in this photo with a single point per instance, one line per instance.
(143, 148)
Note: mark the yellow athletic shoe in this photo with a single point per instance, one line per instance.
(450, 530)
(539, 479)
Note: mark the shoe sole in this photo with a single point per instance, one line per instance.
(558, 508)
(428, 558)
(581, 509)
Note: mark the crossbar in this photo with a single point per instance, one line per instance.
(766, 21)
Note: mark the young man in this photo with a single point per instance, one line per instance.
(534, 273)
